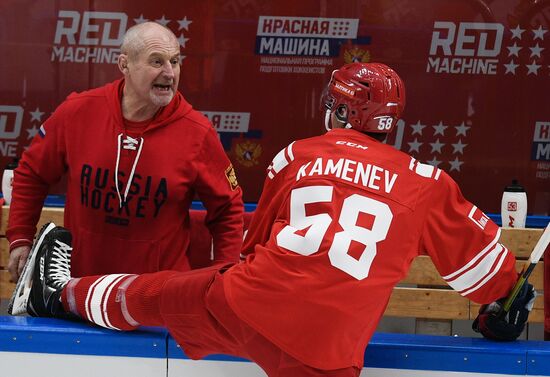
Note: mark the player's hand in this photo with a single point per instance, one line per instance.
(18, 258)
(494, 324)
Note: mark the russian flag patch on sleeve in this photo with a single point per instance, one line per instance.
(42, 131)
(478, 217)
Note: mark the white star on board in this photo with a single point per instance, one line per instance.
(455, 164)
(36, 115)
(514, 50)
(417, 128)
(434, 162)
(181, 58)
(440, 129)
(461, 130)
(414, 146)
(511, 67)
(182, 40)
(163, 21)
(32, 132)
(140, 20)
(436, 147)
(516, 33)
(459, 147)
(539, 33)
(533, 68)
(184, 24)
(536, 50)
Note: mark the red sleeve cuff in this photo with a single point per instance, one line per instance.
(20, 242)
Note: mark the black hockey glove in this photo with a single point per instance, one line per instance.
(494, 324)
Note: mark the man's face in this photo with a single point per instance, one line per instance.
(153, 73)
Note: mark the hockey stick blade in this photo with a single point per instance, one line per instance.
(529, 266)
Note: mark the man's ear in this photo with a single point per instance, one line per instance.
(123, 63)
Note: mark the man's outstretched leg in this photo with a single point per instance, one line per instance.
(45, 288)
(118, 301)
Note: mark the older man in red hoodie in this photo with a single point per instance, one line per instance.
(135, 153)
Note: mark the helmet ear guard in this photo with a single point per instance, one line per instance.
(368, 97)
(341, 113)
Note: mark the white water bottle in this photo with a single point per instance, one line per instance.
(7, 181)
(513, 208)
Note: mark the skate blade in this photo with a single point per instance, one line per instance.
(20, 296)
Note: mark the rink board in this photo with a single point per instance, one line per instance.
(29, 346)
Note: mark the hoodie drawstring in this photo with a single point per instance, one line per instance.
(129, 144)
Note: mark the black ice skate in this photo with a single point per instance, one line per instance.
(46, 272)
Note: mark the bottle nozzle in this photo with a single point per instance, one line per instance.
(514, 187)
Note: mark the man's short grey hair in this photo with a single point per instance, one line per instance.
(132, 42)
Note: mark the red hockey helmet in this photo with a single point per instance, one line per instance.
(368, 97)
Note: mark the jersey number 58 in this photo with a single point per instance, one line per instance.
(318, 224)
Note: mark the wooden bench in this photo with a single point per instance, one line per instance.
(435, 305)
(422, 294)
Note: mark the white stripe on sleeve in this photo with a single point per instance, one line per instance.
(290, 152)
(481, 254)
(94, 304)
(488, 277)
(279, 161)
(475, 275)
(106, 300)
(89, 297)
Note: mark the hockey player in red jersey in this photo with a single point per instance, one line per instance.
(340, 220)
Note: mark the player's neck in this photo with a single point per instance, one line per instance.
(137, 110)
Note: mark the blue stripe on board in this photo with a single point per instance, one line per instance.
(175, 352)
(56, 201)
(532, 221)
(397, 351)
(248, 207)
(538, 362)
(443, 353)
(48, 335)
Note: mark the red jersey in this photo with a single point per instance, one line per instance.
(128, 194)
(339, 222)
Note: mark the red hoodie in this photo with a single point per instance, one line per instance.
(139, 228)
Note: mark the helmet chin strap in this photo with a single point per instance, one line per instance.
(328, 125)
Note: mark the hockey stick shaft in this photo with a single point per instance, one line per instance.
(529, 266)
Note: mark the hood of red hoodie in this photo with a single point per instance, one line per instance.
(176, 109)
